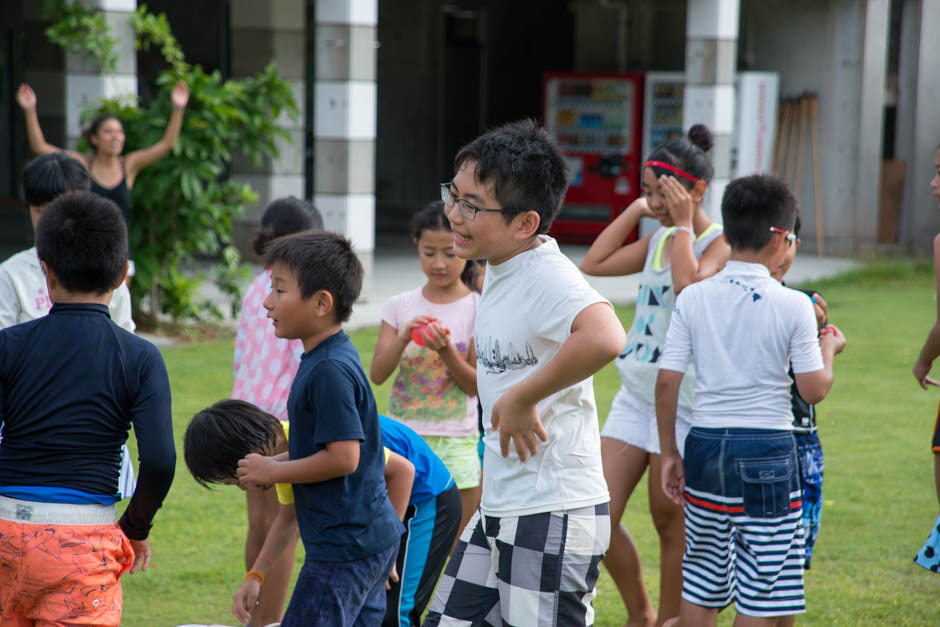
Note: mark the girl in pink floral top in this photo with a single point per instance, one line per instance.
(264, 367)
(435, 389)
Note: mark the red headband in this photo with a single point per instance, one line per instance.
(673, 169)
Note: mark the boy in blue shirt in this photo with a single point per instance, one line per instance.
(71, 385)
(420, 488)
(347, 524)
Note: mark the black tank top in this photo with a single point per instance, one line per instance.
(120, 194)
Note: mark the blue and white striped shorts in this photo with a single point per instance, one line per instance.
(743, 531)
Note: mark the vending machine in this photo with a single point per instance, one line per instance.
(596, 121)
(662, 108)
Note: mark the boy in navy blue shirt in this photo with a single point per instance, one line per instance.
(348, 526)
(71, 385)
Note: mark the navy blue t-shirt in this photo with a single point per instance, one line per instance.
(71, 385)
(347, 518)
(431, 475)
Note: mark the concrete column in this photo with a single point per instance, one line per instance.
(710, 64)
(918, 130)
(84, 80)
(871, 122)
(345, 121)
(263, 31)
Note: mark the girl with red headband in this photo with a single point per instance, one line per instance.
(686, 248)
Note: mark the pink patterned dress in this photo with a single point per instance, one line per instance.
(264, 365)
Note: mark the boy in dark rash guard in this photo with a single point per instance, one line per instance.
(71, 385)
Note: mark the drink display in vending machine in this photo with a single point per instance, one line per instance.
(595, 119)
(662, 109)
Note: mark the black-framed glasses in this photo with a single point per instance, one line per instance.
(468, 210)
(791, 237)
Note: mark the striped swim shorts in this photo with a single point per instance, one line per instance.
(744, 537)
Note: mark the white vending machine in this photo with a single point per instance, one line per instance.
(755, 122)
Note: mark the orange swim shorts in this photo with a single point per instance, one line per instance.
(61, 574)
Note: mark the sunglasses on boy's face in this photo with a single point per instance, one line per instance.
(791, 238)
(467, 210)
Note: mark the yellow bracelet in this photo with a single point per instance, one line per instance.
(255, 574)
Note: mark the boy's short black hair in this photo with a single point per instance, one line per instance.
(525, 167)
(82, 237)
(220, 435)
(284, 216)
(48, 176)
(752, 205)
(320, 260)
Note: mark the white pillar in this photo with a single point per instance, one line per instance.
(345, 93)
(85, 82)
(871, 123)
(263, 31)
(710, 64)
(918, 128)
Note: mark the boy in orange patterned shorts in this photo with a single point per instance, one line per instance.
(72, 383)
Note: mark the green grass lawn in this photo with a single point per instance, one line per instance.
(875, 427)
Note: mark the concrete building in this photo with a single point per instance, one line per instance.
(390, 90)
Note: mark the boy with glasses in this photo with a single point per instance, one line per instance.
(531, 553)
(739, 479)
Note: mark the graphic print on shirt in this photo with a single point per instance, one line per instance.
(490, 356)
(43, 302)
(644, 345)
(423, 390)
(755, 295)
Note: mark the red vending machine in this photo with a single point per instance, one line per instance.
(597, 121)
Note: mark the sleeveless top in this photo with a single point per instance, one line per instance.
(120, 194)
(638, 363)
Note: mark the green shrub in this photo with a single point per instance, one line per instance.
(183, 205)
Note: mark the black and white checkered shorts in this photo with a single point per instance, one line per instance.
(539, 569)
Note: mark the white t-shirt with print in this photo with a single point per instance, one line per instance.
(24, 295)
(528, 305)
(743, 330)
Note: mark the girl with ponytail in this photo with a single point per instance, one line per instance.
(686, 248)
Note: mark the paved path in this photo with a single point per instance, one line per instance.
(397, 270)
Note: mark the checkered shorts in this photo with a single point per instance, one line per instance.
(525, 570)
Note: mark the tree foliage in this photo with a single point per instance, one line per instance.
(81, 28)
(184, 204)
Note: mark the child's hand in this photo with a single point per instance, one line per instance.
(392, 577)
(641, 207)
(404, 331)
(921, 371)
(518, 421)
(673, 478)
(245, 600)
(436, 336)
(678, 200)
(142, 555)
(831, 336)
(256, 469)
(821, 309)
